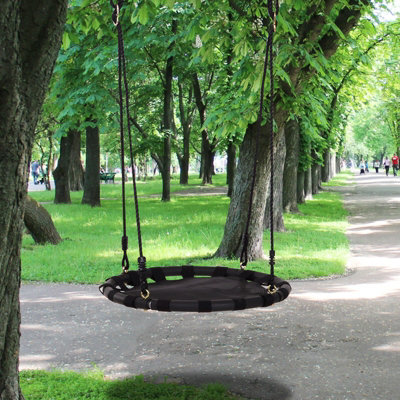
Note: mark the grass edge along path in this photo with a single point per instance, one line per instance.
(92, 385)
(186, 230)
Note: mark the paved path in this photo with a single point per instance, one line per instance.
(331, 339)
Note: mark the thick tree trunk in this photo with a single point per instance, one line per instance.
(75, 173)
(91, 191)
(184, 169)
(61, 173)
(277, 206)
(325, 168)
(315, 176)
(231, 166)
(332, 166)
(289, 192)
(39, 223)
(231, 244)
(308, 194)
(30, 40)
(338, 164)
(301, 198)
(208, 161)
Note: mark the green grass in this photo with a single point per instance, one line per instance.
(185, 230)
(345, 178)
(57, 385)
(152, 186)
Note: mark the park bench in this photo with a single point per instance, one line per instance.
(107, 177)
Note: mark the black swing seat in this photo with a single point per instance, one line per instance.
(199, 289)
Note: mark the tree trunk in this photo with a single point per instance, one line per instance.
(186, 122)
(91, 191)
(231, 166)
(277, 206)
(61, 173)
(207, 149)
(289, 193)
(325, 168)
(76, 173)
(231, 244)
(167, 121)
(338, 164)
(39, 223)
(301, 198)
(208, 161)
(308, 192)
(332, 166)
(30, 40)
(315, 178)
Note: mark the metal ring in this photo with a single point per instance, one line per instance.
(145, 295)
(272, 289)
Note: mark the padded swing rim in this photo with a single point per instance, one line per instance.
(115, 289)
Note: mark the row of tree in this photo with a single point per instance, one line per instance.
(195, 73)
(196, 55)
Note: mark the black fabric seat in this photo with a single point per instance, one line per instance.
(199, 289)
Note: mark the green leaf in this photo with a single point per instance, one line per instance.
(66, 41)
(143, 15)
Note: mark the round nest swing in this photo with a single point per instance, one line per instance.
(200, 289)
(193, 288)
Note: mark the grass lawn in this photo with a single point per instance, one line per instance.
(185, 230)
(57, 385)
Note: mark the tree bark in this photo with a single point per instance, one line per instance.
(30, 40)
(39, 223)
(61, 173)
(301, 198)
(277, 206)
(167, 122)
(91, 191)
(338, 164)
(332, 165)
(75, 172)
(231, 244)
(325, 168)
(207, 148)
(231, 166)
(308, 193)
(289, 193)
(186, 122)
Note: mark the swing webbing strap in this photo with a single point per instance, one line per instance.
(268, 57)
(123, 85)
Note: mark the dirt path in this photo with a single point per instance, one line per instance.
(334, 339)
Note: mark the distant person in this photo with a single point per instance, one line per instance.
(395, 164)
(35, 171)
(362, 167)
(377, 165)
(386, 164)
(366, 166)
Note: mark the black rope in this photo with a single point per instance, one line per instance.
(268, 55)
(122, 76)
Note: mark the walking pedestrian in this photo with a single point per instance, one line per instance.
(395, 164)
(376, 165)
(386, 164)
(362, 167)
